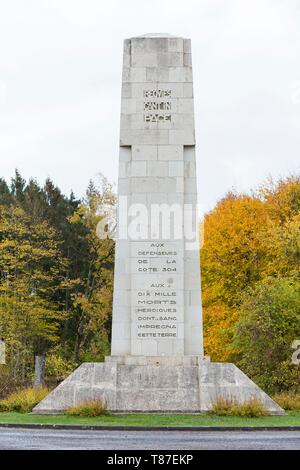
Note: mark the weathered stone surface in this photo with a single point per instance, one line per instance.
(152, 384)
(39, 371)
(2, 352)
(157, 167)
(224, 380)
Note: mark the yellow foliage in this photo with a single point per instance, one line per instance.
(32, 269)
(230, 407)
(246, 239)
(88, 409)
(24, 400)
(219, 321)
(288, 400)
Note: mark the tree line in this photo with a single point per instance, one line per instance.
(251, 283)
(56, 280)
(56, 277)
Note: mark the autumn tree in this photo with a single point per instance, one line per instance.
(32, 271)
(268, 323)
(248, 239)
(84, 297)
(232, 259)
(92, 299)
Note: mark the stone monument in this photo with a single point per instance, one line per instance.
(157, 362)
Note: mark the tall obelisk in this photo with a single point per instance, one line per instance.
(156, 361)
(157, 304)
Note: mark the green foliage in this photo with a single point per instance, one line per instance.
(88, 409)
(56, 280)
(267, 326)
(23, 400)
(32, 270)
(56, 277)
(230, 407)
(92, 301)
(288, 400)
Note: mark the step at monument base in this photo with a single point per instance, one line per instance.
(174, 384)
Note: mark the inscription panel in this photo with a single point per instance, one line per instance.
(157, 296)
(157, 105)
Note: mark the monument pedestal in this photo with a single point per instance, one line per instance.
(164, 384)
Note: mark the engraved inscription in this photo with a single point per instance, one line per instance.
(157, 106)
(157, 93)
(155, 307)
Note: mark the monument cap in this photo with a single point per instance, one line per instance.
(157, 36)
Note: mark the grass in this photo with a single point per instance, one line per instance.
(288, 401)
(291, 419)
(88, 409)
(252, 408)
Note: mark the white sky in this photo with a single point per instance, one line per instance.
(60, 79)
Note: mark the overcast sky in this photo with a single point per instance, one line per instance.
(60, 79)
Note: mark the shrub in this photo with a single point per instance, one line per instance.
(7, 382)
(230, 407)
(23, 400)
(58, 368)
(288, 401)
(267, 326)
(88, 409)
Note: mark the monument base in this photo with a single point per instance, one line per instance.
(177, 384)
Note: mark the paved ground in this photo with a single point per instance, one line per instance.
(23, 439)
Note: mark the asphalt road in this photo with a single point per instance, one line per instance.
(29, 439)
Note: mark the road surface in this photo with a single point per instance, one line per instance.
(23, 439)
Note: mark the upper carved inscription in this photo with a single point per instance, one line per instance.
(157, 93)
(156, 106)
(158, 102)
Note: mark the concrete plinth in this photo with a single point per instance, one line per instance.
(176, 384)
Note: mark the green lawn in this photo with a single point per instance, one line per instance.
(292, 419)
